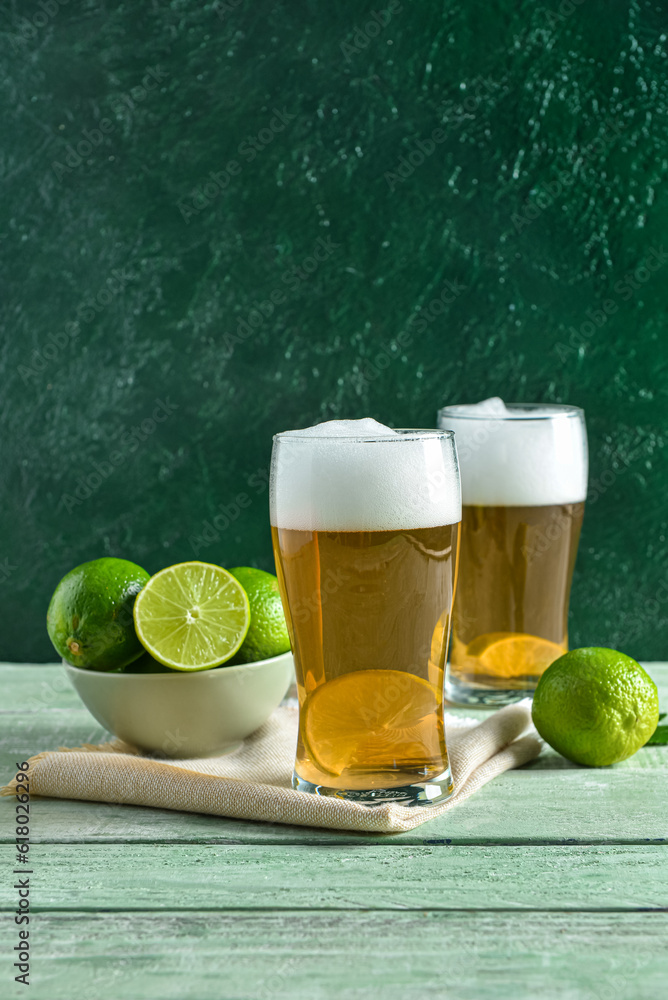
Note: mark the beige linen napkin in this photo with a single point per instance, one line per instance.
(253, 782)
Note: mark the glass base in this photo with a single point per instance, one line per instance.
(427, 793)
(478, 696)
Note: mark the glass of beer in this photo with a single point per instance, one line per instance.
(365, 525)
(524, 482)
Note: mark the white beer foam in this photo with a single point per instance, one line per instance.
(513, 459)
(359, 475)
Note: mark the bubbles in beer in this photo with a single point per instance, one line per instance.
(359, 475)
(514, 457)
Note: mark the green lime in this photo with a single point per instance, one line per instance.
(595, 706)
(192, 616)
(268, 632)
(89, 620)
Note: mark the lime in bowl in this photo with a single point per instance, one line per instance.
(174, 664)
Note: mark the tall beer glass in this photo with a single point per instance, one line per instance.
(365, 524)
(524, 482)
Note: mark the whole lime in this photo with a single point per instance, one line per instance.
(268, 632)
(595, 706)
(89, 619)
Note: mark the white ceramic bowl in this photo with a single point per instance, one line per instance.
(198, 714)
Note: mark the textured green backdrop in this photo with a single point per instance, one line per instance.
(224, 220)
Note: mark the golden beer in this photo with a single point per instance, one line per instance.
(369, 615)
(510, 618)
(365, 529)
(524, 481)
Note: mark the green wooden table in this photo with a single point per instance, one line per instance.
(551, 882)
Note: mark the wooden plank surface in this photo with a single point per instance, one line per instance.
(149, 904)
(218, 877)
(553, 801)
(36, 687)
(348, 956)
(569, 807)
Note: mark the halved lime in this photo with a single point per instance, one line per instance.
(192, 616)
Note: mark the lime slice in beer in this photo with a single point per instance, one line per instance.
(371, 720)
(513, 654)
(192, 616)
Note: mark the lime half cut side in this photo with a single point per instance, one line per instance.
(192, 616)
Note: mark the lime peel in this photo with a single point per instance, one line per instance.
(268, 633)
(89, 619)
(596, 706)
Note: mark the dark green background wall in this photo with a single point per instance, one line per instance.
(167, 168)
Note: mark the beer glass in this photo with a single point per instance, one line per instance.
(365, 525)
(524, 482)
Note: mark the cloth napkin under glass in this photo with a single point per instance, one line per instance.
(254, 781)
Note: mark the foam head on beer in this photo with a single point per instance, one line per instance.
(513, 457)
(359, 475)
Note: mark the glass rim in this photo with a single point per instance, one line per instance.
(400, 434)
(556, 410)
